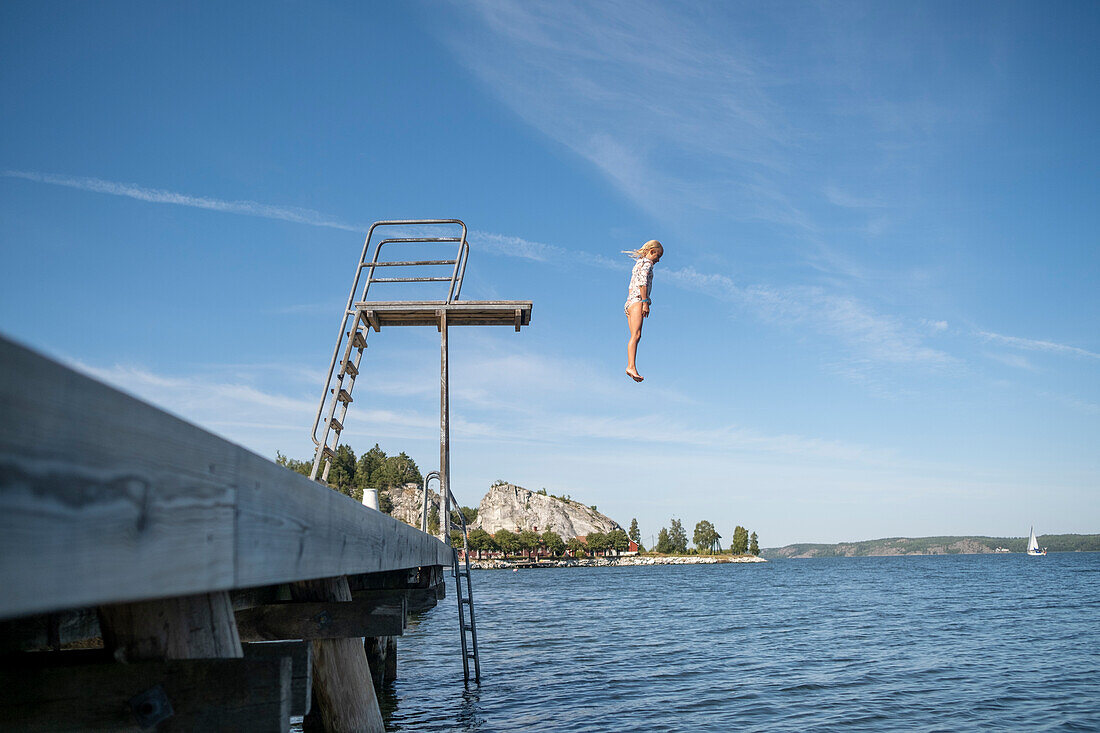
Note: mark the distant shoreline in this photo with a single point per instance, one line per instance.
(604, 562)
(943, 545)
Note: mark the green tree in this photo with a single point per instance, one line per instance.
(368, 464)
(303, 467)
(481, 541)
(396, 471)
(553, 542)
(635, 533)
(618, 540)
(664, 543)
(739, 545)
(754, 545)
(528, 542)
(678, 537)
(456, 538)
(705, 536)
(468, 513)
(342, 474)
(597, 542)
(577, 546)
(433, 519)
(508, 542)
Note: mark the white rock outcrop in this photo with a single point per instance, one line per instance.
(407, 503)
(513, 508)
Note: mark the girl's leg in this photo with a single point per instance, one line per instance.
(634, 322)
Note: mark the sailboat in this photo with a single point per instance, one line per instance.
(1033, 545)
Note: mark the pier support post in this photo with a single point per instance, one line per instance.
(187, 627)
(342, 686)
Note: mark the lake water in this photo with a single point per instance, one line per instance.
(935, 643)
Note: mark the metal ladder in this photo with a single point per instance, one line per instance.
(352, 337)
(461, 569)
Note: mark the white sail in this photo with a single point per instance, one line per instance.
(1032, 544)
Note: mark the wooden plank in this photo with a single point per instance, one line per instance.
(102, 497)
(106, 499)
(341, 677)
(416, 600)
(184, 627)
(319, 620)
(461, 313)
(291, 528)
(34, 632)
(204, 694)
(301, 668)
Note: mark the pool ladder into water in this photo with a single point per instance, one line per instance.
(460, 567)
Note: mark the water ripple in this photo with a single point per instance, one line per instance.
(939, 643)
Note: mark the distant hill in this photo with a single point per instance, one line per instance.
(934, 546)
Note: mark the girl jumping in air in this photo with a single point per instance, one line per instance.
(637, 299)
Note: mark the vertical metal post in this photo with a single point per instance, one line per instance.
(444, 434)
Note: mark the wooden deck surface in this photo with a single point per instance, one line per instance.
(106, 499)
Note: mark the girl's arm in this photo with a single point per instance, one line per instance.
(645, 297)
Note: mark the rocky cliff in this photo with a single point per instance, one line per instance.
(406, 503)
(511, 507)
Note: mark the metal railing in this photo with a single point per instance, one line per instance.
(354, 329)
(460, 571)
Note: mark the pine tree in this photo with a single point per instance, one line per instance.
(664, 544)
(635, 533)
(754, 546)
(678, 537)
(739, 545)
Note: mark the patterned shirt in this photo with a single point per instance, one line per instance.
(641, 275)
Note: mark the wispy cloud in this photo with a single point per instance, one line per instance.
(883, 338)
(839, 197)
(161, 196)
(678, 120)
(1049, 347)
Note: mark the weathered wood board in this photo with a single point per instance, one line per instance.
(106, 499)
(319, 620)
(204, 694)
(301, 668)
(380, 314)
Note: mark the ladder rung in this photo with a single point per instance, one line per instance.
(358, 340)
(410, 280)
(349, 368)
(409, 263)
(336, 425)
(464, 600)
(471, 656)
(344, 396)
(329, 453)
(467, 627)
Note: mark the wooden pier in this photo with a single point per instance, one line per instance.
(229, 592)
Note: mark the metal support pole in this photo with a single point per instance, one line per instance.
(444, 434)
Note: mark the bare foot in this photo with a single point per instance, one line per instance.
(633, 374)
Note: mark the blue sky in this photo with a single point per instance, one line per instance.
(877, 311)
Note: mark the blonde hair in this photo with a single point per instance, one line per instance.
(645, 249)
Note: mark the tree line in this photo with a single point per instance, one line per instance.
(673, 540)
(527, 542)
(372, 470)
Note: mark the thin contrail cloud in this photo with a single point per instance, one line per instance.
(161, 196)
(1036, 345)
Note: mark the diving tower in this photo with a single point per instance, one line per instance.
(362, 316)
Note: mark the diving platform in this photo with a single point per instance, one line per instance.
(379, 314)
